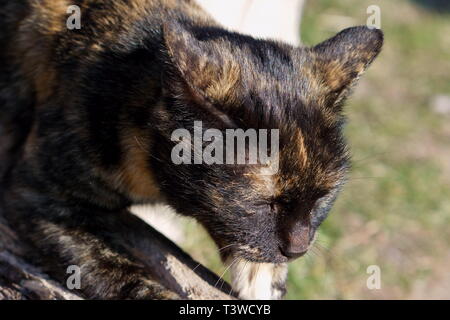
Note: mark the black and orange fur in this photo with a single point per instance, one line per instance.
(86, 118)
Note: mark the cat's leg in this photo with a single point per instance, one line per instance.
(99, 244)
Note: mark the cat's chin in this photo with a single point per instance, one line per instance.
(258, 281)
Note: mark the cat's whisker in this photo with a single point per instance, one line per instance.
(240, 274)
(226, 269)
(139, 143)
(374, 156)
(198, 265)
(219, 250)
(308, 259)
(224, 281)
(323, 250)
(327, 252)
(323, 243)
(363, 178)
(142, 147)
(317, 253)
(230, 245)
(354, 180)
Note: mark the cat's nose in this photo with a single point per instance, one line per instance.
(296, 240)
(293, 252)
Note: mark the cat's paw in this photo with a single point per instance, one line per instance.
(259, 281)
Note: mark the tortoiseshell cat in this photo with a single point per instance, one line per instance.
(86, 118)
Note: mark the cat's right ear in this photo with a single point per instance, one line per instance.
(206, 67)
(342, 59)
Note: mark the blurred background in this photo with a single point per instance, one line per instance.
(395, 211)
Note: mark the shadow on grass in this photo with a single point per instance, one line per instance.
(440, 6)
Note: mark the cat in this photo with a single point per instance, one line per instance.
(87, 117)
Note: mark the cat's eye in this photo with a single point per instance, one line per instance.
(277, 207)
(272, 206)
(263, 207)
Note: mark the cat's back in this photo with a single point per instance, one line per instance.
(42, 53)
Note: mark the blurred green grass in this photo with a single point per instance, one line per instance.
(395, 210)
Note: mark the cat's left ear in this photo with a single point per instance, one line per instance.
(204, 68)
(341, 60)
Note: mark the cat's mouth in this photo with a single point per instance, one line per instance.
(253, 254)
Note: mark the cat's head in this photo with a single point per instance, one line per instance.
(269, 211)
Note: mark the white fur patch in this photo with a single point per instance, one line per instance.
(258, 281)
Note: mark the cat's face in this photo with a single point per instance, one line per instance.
(269, 211)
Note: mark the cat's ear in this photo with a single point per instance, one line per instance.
(342, 59)
(206, 67)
